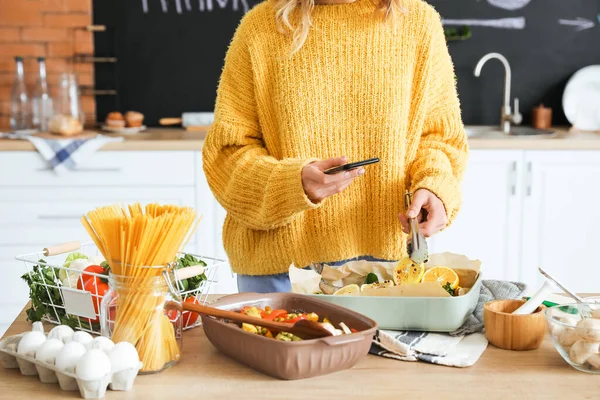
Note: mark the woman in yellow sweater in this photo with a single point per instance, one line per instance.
(303, 85)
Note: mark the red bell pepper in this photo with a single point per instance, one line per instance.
(274, 314)
(84, 277)
(94, 285)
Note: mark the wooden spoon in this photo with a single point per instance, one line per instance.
(305, 329)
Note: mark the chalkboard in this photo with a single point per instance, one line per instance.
(170, 52)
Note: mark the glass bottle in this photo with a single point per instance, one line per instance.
(146, 312)
(20, 107)
(42, 102)
(68, 118)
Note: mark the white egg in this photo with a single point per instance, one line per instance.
(123, 356)
(82, 337)
(101, 343)
(48, 351)
(69, 355)
(37, 326)
(61, 332)
(30, 342)
(93, 365)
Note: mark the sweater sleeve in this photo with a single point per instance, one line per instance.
(256, 189)
(442, 153)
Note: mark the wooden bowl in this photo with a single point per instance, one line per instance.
(513, 332)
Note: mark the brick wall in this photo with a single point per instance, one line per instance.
(34, 28)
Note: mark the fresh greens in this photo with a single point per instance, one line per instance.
(72, 257)
(44, 292)
(194, 282)
(448, 288)
(371, 278)
(462, 33)
(106, 267)
(38, 282)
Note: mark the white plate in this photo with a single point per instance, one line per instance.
(125, 131)
(581, 99)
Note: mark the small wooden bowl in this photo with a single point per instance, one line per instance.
(513, 332)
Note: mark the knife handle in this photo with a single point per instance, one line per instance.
(170, 121)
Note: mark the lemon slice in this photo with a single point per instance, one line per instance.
(376, 285)
(347, 290)
(408, 272)
(442, 276)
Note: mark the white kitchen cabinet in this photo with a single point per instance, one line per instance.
(104, 168)
(561, 218)
(14, 292)
(32, 218)
(487, 227)
(210, 230)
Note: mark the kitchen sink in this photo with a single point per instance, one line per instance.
(494, 132)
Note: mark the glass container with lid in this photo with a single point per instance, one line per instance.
(145, 311)
(69, 116)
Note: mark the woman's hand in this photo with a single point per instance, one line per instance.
(318, 186)
(429, 211)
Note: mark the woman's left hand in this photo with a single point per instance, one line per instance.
(429, 211)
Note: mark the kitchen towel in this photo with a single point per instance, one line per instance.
(65, 155)
(461, 348)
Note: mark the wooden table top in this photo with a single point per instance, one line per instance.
(204, 373)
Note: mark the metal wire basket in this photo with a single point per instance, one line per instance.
(56, 297)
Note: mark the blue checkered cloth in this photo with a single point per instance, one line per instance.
(461, 348)
(65, 155)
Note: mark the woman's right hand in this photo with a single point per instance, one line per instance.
(318, 186)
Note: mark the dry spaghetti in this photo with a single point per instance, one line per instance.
(139, 243)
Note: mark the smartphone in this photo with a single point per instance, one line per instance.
(351, 166)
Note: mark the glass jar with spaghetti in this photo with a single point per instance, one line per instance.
(146, 311)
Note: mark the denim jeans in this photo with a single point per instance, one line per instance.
(280, 282)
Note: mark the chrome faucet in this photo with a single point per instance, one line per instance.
(508, 117)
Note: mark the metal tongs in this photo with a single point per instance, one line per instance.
(416, 243)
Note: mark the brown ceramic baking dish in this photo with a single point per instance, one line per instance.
(291, 360)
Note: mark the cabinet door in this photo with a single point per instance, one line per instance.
(210, 242)
(103, 168)
(33, 218)
(38, 216)
(487, 227)
(561, 218)
(13, 290)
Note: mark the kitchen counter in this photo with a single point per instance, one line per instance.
(166, 139)
(562, 139)
(205, 373)
(179, 139)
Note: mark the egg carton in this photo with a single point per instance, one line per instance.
(94, 389)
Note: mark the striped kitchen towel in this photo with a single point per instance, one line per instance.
(461, 348)
(65, 155)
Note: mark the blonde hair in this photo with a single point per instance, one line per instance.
(299, 32)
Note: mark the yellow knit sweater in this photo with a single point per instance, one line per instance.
(359, 87)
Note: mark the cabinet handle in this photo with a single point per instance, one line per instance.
(115, 169)
(513, 179)
(59, 217)
(529, 179)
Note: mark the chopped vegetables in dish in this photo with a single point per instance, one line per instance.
(279, 315)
